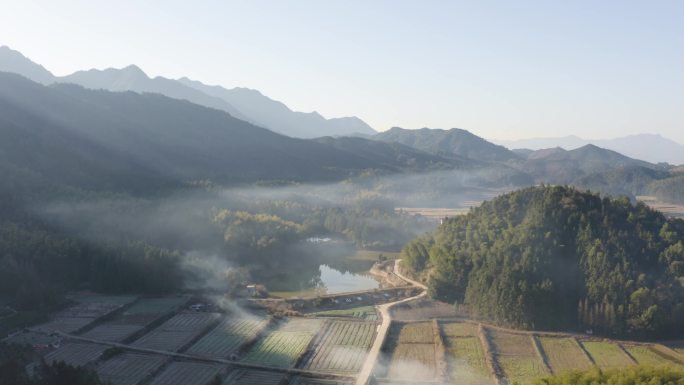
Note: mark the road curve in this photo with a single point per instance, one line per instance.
(383, 329)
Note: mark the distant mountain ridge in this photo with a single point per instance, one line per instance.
(649, 147)
(448, 143)
(242, 103)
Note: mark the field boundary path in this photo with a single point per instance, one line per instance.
(383, 328)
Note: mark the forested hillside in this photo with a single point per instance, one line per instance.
(558, 258)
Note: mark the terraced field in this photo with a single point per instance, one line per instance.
(367, 313)
(187, 373)
(254, 377)
(76, 353)
(343, 347)
(318, 381)
(465, 355)
(647, 355)
(564, 354)
(228, 336)
(283, 346)
(517, 357)
(411, 352)
(135, 318)
(129, 368)
(607, 354)
(177, 332)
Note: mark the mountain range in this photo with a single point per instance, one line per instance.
(242, 103)
(649, 147)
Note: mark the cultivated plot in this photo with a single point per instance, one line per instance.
(464, 353)
(228, 336)
(343, 347)
(177, 332)
(564, 354)
(647, 355)
(517, 356)
(255, 377)
(129, 368)
(76, 353)
(135, 318)
(187, 373)
(283, 346)
(367, 313)
(607, 354)
(318, 381)
(411, 352)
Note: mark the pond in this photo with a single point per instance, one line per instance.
(323, 279)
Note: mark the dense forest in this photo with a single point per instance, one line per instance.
(557, 258)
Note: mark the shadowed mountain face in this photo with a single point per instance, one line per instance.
(448, 143)
(127, 141)
(242, 103)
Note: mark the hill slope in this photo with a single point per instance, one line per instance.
(448, 143)
(556, 258)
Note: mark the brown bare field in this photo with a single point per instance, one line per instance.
(424, 310)
(669, 209)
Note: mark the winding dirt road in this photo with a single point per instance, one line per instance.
(383, 328)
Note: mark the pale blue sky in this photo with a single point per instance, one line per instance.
(502, 69)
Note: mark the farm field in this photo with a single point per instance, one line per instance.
(367, 313)
(226, 338)
(87, 309)
(465, 355)
(318, 381)
(607, 354)
(177, 332)
(254, 377)
(411, 352)
(564, 354)
(644, 354)
(76, 353)
(187, 373)
(343, 347)
(129, 368)
(423, 310)
(517, 356)
(135, 318)
(283, 346)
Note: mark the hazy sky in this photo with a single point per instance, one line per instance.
(502, 69)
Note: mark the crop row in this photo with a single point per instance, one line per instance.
(228, 336)
(187, 373)
(283, 346)
(343, 347)
(254, 377)
(564, 354)
(129, 368)
(177, 331)
(86, 310)
(76, 353)
(517, 356)
(419, 332)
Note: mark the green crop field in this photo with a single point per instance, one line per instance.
(465, 355)
(564, 354)
(76, 353)
(129, 368)
(413, 362)
(648, 356)
(607, 354)
(228, 336)
(367, 313)
(343, 347)
(187, 373)
(517, 357)
(254, 377)
(283, 346)
(177, 331)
